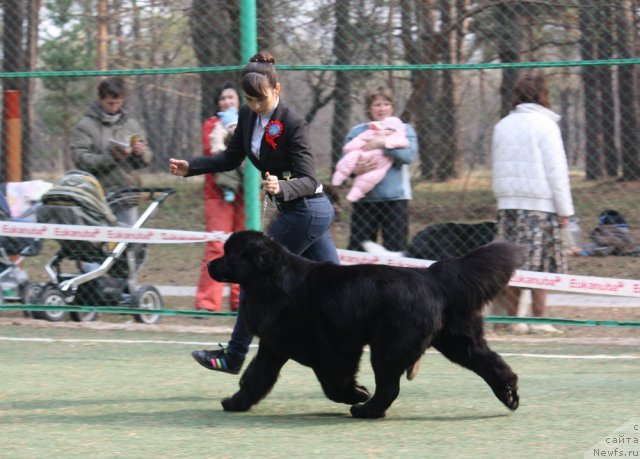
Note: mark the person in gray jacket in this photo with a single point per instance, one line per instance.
(110, 144)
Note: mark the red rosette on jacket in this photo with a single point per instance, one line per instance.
(272, 132)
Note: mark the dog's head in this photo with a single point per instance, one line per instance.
(248, 255)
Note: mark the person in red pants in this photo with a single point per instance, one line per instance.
(223, 198)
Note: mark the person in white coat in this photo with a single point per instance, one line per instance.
(531, 185)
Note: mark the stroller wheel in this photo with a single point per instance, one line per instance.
(147, 297)
(87, 316)
(86, 296)
(31, 295)
(50, 296)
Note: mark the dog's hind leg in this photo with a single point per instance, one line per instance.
(388, 371)
(387, 390)
(472, 351)
(338, 380)
(257, 380)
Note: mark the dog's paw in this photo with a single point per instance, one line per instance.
(365, 412)
(232, 404)
(510, 397)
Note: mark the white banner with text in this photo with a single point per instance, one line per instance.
(526, 279)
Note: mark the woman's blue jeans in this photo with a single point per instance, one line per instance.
(302, 227)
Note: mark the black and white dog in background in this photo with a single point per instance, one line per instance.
(442, 240)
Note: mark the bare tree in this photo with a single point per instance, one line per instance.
(628, 90)
(342, 91)
(103, 33)
(592, 91)
(605, 19)
(446, 124)
(33, 21)
(214, 29)
(266, 23)
(509, 40)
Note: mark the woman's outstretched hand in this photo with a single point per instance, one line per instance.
(178, 167)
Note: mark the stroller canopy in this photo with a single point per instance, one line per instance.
(76, 198)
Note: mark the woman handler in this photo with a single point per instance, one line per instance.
(276, 140)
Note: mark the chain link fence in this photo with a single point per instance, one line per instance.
(451, 64)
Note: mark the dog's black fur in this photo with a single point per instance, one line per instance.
(322, 315)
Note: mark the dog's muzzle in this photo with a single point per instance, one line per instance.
(217, 271)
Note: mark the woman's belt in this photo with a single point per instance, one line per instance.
(280, 204)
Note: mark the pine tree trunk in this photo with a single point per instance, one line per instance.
(592, 96)
(628, 93)
(342, 94)
(214, 29)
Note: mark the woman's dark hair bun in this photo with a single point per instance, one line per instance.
(263, 57)
(259, 75)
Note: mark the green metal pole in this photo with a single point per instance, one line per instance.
(249, 46)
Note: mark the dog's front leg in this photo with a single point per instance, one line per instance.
(257, 380)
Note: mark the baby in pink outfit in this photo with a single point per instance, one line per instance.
(395, 136)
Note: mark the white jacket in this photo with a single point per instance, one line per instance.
(529, 163)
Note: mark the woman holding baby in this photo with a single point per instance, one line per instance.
(385, 208)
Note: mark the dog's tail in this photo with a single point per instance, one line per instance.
(472, 281)
(377, 249)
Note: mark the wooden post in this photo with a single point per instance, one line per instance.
(13, 129)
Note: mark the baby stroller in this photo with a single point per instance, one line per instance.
(101, 274)
(13, 250)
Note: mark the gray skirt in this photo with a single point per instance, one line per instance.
(538, 233)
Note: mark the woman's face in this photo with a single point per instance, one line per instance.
(380, 109)
(228, 99)
(263, 105)
(111, 105)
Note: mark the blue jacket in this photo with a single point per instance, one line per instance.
(396, 185)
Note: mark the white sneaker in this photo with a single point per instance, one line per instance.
(545, 328)
(519, 329)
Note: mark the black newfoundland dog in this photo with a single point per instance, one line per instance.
(322, 315)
